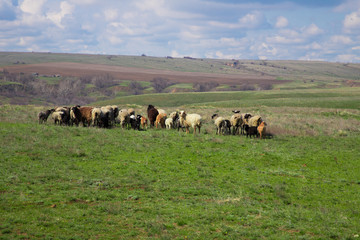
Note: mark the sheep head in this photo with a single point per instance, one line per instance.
(182, 114)
(247, 116)
(215, 115)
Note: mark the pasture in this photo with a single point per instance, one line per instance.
(90, 183)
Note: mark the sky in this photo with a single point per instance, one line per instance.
(325, 30)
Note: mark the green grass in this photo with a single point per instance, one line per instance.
(80, 183)
(88, 183)
(326, 98)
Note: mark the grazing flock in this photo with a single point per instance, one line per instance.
(110, 116)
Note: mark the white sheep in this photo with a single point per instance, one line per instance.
(124, 117)
(161, 111)
(58, 117)
(254, 121)
(95, 116)
(236, 122)
(190, 120)
(219, 122)
(169, 123)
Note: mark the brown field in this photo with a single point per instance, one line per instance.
(140, 74)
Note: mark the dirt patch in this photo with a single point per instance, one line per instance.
(140, 74)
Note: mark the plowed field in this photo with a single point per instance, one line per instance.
(139, 74)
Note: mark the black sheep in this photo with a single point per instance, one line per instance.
(250, 131)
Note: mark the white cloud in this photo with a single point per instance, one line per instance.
(83, 2)
(352, 21)
(211, 28)
(264, 50)
(281, 22)
(115, 40)
(252, 20)
(32, 6)
(340, 39)
(111, 14)
(348, 5)
(286, 36)
(347, 58)
(175, 54)
(221, 55)
(289, 36)
(162, 8)
(313, 46)
(56, 17)
(312, 30)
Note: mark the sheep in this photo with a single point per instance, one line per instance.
(107, 111)
(116, 111)
(105, 119)
(66, 115)
(135, 122)
(43, 116)
(245, 118)
(169, 123)
(255, 121)
(174, 116)
(190, 120)
(95, 116)
(152, 113)
(144, 122)
(250, 130)
(161, 111)
(75, 115)
(219, 123)
(262, 129)
(160, 120)
(178, 125)
(58, 117)
(124, 117)
(236, 122)
(86, 115)
(131, 111)
(226, 130)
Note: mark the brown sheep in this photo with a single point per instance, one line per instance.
(262, 129)
(144, 122)
(86, 115)
(152, 113)
(160, 120)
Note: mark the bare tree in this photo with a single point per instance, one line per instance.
(159, 84)
(205, 87)
(135, 88)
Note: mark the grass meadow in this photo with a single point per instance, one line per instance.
(89, 183)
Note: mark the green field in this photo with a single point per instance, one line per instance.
(89, 183)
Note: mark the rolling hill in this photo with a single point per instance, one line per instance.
(88, 78)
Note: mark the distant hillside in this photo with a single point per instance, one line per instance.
(83, 78)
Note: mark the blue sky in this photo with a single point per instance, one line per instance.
(327, 30)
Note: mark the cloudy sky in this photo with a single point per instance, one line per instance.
(242, 29)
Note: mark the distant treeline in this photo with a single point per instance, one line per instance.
(32, 88)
